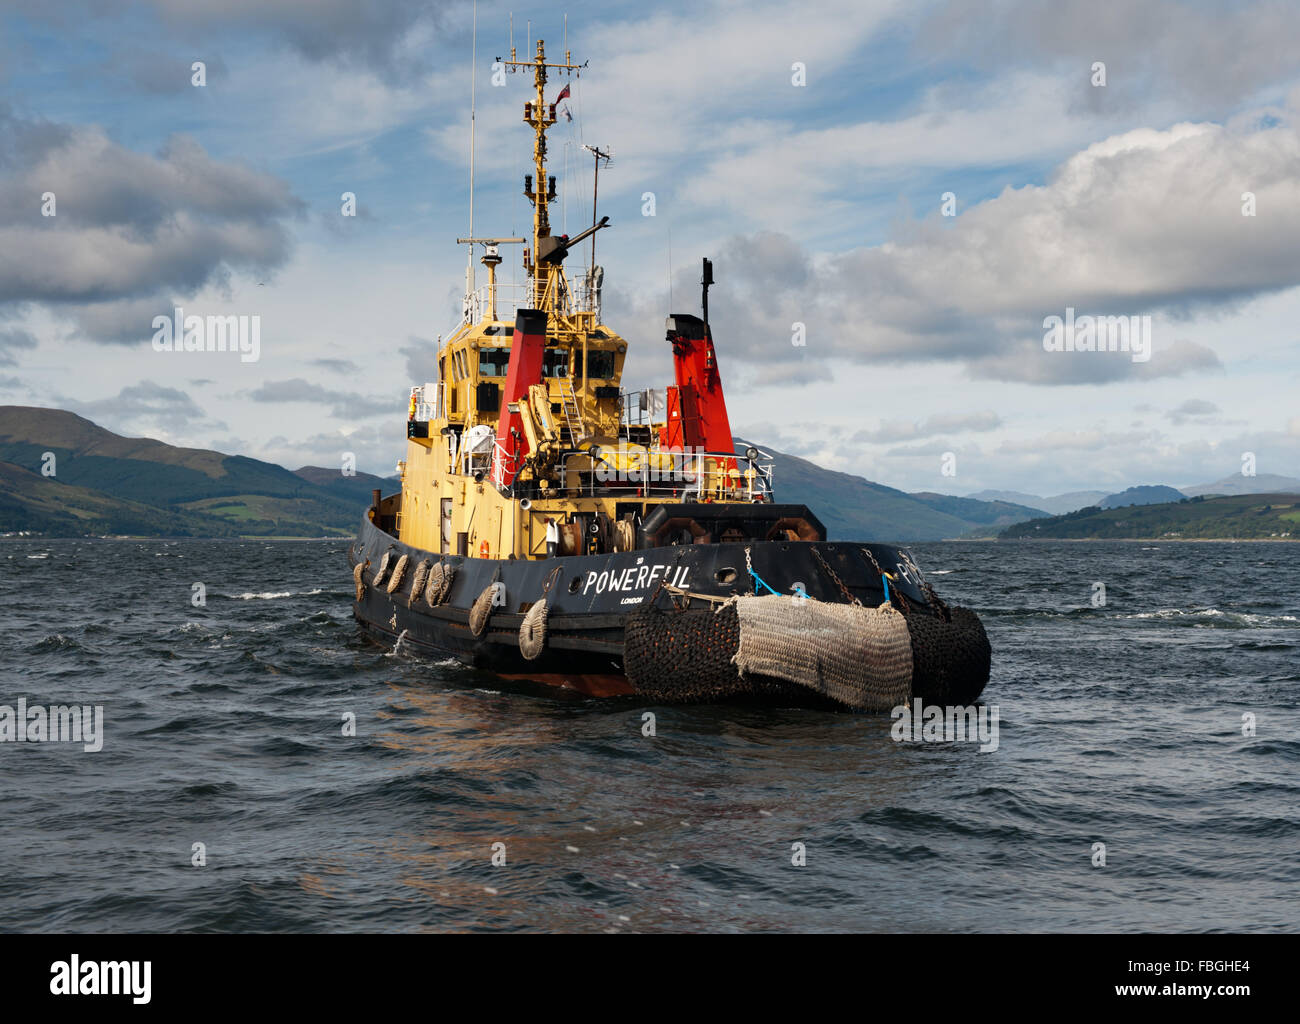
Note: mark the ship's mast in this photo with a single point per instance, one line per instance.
(539, 188)
(473, 75)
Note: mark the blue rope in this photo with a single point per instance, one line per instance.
(885, 580)
(759, 579)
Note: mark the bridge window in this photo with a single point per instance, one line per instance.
(600, 365)
(555, 363)
(493, 362)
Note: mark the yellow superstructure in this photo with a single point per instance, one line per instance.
(595, 457)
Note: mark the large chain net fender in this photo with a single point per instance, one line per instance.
(950, 660)
(684, 656)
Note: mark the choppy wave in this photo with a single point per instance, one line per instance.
(339, 789)
(273, 595)
(1219, 617)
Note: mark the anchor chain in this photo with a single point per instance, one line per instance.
(849, 597)
(749, 568)
(937, 603)
(893, 591)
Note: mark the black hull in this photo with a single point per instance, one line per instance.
(591, 596)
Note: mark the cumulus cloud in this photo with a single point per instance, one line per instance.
(1192, 410)
(892, 432)
(343, 404)
(390, 37)
(158, 72)
(421, 357)
(337, 365)
(130, 230)
(1058, 441)
(786, 373)
(11, 341)
(1147, 222)
(1024, 360)
(377, 449)
(931, 449)
(1216, 52)
(146, 407)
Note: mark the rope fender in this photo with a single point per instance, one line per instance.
(399, 570)
(419, 578)
(858, 656)
(481, 610)
(532, 632)
(438, 585)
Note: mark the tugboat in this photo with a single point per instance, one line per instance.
(553, 527)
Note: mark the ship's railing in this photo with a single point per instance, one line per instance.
(682, 476)
(509, 297)
(583, 295)
(571, 292)
(452, 452)
(430, 401)
(469, 462)
(732, 476)
(504, 462)
(643, 408)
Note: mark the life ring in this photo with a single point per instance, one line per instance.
(483, 549)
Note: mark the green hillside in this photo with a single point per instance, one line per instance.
(986, 517)
(854, 508)
(1144, 494)
(191, 491)
(105, 483)
(1236, 517)
(29, 501)
(353, 489)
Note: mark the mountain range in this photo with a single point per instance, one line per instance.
(1221, 517)
(1264, 483)
(62, 475)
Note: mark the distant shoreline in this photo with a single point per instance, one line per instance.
(125, 536)
(1147, 540)
(943, 540)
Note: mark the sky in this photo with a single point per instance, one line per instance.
(896, 196)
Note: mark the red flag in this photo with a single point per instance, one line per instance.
(564, 94)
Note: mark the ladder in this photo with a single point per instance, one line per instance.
(572, 414)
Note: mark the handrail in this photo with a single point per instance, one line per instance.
(503, 462)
